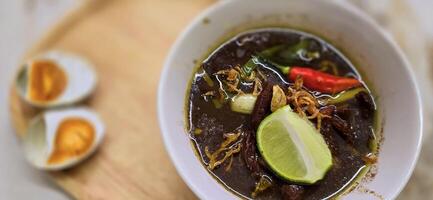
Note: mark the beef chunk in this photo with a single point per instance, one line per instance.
(343, 128)
(327, 131)
(361, 130)
(292, 192)
(249, 153)
(328, 110)
(263, 106)
(366, 103)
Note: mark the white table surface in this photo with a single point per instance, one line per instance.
(22, 22)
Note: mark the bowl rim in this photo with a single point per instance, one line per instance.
(356, 12)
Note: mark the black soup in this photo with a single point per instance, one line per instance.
(244, 89)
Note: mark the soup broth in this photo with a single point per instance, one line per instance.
(347, 124)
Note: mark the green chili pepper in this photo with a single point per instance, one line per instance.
(279, 56)
(248, 68)
(345, 96)
(272, 51)
(260, 60)
(292, 53)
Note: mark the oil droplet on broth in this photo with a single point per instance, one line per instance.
(73, 138)
(46, 81)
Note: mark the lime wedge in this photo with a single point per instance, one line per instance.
(292, 147)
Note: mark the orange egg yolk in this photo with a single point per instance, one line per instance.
(47, 81)
(74, 137)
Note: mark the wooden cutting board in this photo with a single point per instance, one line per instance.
(127, 40)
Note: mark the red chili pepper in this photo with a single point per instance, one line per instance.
(322, 82)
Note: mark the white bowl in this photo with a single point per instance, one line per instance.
(373, 52)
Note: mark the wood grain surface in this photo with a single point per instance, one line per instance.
(127, 40)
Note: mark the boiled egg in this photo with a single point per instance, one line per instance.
(59, 139)
(56, 79)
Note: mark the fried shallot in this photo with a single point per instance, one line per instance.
(228, 148)
(304, 103)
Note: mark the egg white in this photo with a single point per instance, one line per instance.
(81, 79)
(39, 142)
